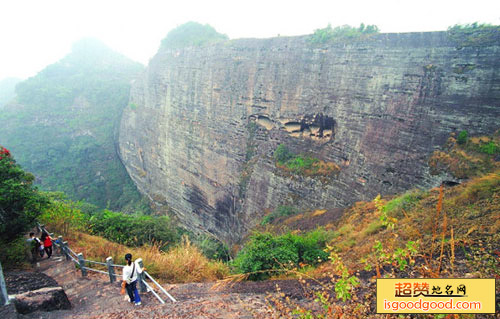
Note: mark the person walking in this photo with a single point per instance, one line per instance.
(33, 244)
(47, 244)
(129, 283)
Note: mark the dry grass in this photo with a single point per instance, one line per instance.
(465, 161)
(183, 263)
(471, 209)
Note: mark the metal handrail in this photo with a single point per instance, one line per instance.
(112, 274)
(154, 293)
(71, 251)
(159, 286)
(74, 259)
(95, 262)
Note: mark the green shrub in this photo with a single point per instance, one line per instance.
(489, 148)
(14, 253)
(282, 154)
(462, 137)
(212, 248)
(63, 215)
(265, 253)
(311, 246)
(133, 230)
(302, 164)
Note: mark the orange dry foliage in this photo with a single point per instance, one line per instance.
(183, 263)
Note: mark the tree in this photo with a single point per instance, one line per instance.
(20, 202)
(462, 137)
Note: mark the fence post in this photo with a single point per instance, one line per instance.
(60, 241)
(65, 250)
(111, 269)
(140, 276)
(82, 264)
(4, 297)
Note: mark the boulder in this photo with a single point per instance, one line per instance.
(44, 299)
(24, 281)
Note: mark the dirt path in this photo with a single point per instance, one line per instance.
(95, 297)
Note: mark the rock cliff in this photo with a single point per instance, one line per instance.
(203, 123)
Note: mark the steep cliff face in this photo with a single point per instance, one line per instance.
(204, 122)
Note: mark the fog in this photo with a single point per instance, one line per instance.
(37, 33)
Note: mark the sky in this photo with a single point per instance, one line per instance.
(35, 33)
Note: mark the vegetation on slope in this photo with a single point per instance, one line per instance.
(192, 34)
(265, 253)
(441, 232)
(63, 124)
(7, 90)
(168, 253)
(183, 262)
(466, 157)
(20, 205)
(98, 234)
(303, 164)
(474, 35)
(342, 33)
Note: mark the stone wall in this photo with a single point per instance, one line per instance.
(207, 121)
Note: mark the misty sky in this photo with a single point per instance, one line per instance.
(36, 33)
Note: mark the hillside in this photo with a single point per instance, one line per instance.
(7, 90)
(62, 126)
(450, 231)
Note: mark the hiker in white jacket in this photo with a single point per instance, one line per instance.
(130, 274)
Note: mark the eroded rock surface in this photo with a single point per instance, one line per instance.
(35, 291)
(207, 121)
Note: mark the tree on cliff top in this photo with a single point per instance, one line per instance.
(474, 35)
(192, 34)
(342, 33)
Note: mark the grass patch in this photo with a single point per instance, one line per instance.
(405, 202)
(280, 211)
(301, 164)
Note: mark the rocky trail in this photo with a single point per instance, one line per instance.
(95, 297)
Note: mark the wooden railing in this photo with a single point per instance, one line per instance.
(84, 264)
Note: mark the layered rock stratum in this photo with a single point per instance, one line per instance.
(203, 122)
